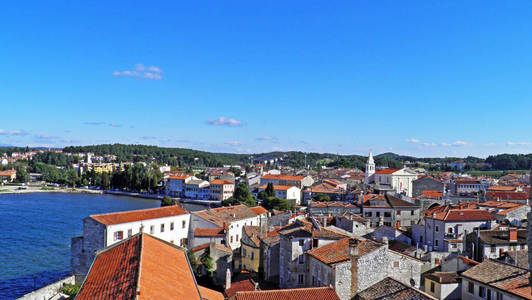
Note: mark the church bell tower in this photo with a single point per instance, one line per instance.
(370, 169)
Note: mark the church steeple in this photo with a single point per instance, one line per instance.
(370, 169)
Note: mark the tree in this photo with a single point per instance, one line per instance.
(262, 195)
(270, 191)
(207, 262)
(167, 201)
(321, 198)
(193, 262)
(22, 174)
(271, 203)
(242, 195)
(235, 171)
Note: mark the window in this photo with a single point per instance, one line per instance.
(437, 228)
(378, 214)
(481, 291)
(243, 251)
(488, 293)
(162, 227)
(493, 249)
(152, 229)
(300, 278)
(118, 235)
(129, 232)
(301, 259)
(301, 243)
(231, 239)
(450, 230)
(421, 239)
(237, 238)
(499, 296)
(315, 243)
(368, 214)
(171, 226)
(387, 214)
(432, 287)
(252, 255)
(411, 212)
(470, 288)
(183, 224)
(396, 264)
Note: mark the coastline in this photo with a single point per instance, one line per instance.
(6, 190)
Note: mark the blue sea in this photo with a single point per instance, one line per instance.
(35, 233)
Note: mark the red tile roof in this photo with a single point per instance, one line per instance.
(180, 177)
(321, 293)
(452, 215)
(139, 215)
(208, 294)
(8, 173)
(283, 177)
(386, 171)
(277, 187)
(141, 267)
(507, 195)
(240, 286)
(501, 188)
(259, 210)
(208, 232)
(432, 194)
(339, 251)
(220, 181)
(221, 216)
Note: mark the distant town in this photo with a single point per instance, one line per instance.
(288, 225)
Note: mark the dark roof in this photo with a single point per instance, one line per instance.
(505, 277)
(322, 293)
(501, 237)
(301, 228)
(391, 289)
(444, 277)
(520, 257)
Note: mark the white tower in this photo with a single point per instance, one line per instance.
(370, 169)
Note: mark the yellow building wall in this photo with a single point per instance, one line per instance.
(246, 258)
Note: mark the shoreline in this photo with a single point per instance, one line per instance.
(13, 191)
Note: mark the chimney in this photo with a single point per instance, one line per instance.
(353, 247)
(385, 240)
(227, 279)
(513, 235)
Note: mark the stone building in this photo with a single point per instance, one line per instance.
(391, 289)
(270, 246)
(222, 258)
(250, 249)
(295, 240)
(427, 183)
(332, 208)
(390, 211)
(170, 223)
(353, 223)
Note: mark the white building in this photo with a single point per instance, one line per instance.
(222, 189)
(396, 180)
(170, 223)
(197, 189)
(290, 193)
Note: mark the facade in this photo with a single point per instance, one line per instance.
(390, 211)
(492, 244)
(250, 249)
(353, 223)
(270, 246)
(444, 228)
(287, 192)
(170, 223)
(333, 208)
(175, 185)
(336, 191)
(443, 285)
(494, 280)
(197, 189)
(427, 184)
(222, 189)
(465, 187)
(287, 180)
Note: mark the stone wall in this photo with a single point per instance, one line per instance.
(405, 269)
(83, 248)
(426, 184)
(48, 291)
(372, 268)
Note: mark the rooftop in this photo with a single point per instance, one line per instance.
(322, 293)
(222, 215)
(391, 289)
(339, 251)
(139, 215)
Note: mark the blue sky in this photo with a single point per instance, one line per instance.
(427, 79)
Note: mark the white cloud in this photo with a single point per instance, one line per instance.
(444, 144)
(234, 143)
(429, 144)
(518, 143)
(12, 132)
(141, 72)
(460, 143)
(414, 141)
(223, 121)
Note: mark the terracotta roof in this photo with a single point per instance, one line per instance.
(505, 277)
(339, 251)
(386, 171)
(141, 267)
(322, 293)
(220, 181)
(507, 195)
(208, 232)
(468, 261)
(432, 194)
(139, 215)
(223, 215)
(180, 177)
(501, 188)
(8, 173)
(283, 177)
(277, 187)
(240, 286)
(259, 210)
(452, 215)
(332, 204)
(391, 289)
(467, 181)
(443, 277)
(252, 232)
(353, 217)
(208, 294)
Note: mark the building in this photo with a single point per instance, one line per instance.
(222, 189)
(467, 187)
(8, 176)
(443, 285)
(270, 246)
(458, 165)
(495, 280)
(370, 170)
(335, 190)
(353, 223)
(287, 192)
(175, 185)
(222, 258)
(295, 240)
(492, 244)
(169, 223)
(445, 227)
(197, 189)
(391, 289)
(333, 208)
(250, 249)
(143, 267)
(515, 197)
(514, 213)
(322, 293)
(287, 180)
(231, 219)
(427, 183)
(390, 211)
